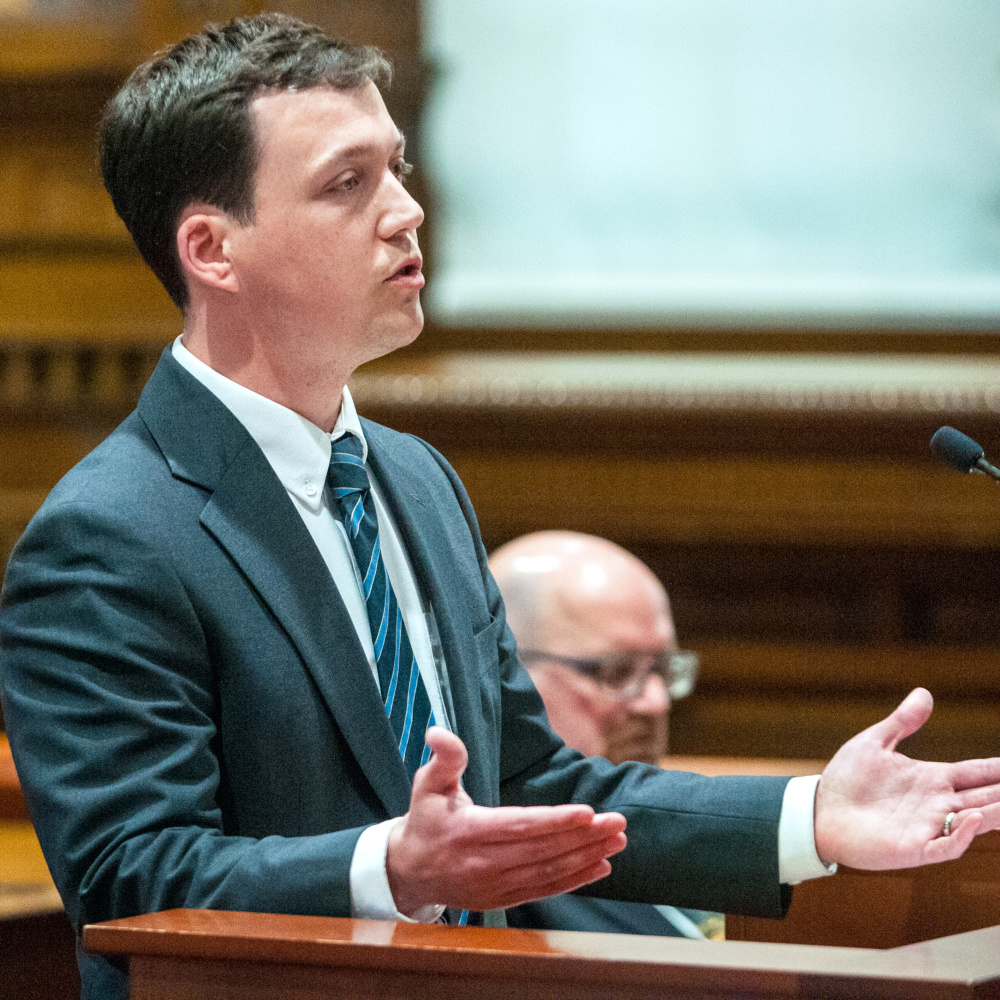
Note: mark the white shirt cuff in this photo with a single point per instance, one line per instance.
(371, 897)
(797, 857)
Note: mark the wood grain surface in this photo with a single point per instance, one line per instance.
(180, 952)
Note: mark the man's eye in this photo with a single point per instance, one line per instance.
(402, 170)
(616, 673)
(346, 182)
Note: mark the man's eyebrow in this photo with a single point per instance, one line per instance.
(359, 149)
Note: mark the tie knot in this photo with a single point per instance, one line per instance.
(347, 472)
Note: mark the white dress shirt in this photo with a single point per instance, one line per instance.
(299, 453)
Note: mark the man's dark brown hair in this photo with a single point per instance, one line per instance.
(180, 130)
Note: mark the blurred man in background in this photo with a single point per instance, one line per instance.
(594, 629)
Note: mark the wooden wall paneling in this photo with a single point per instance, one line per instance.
(876, 596)
(392, 25)
(53, 196)
(67, 266)
(51, 47)
(34, 458)
(774, 724)
(807, 700)
(825, 669)
(739, 500)
(159, 23)
(86, 297)
(58, 106)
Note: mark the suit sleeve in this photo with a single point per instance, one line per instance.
(107, 683)
(696, 842)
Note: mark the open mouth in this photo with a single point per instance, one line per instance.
(409, 271)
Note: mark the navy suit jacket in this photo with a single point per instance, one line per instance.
(567, 912)
(195, 723)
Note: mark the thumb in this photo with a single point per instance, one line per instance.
(441, 774)
(909, 716)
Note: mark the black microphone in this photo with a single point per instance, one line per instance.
(960, 452)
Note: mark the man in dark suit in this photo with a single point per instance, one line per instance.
(225, 632)
(594, 630)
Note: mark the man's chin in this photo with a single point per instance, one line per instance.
(416, 325)
(642, 740)
(391, 337)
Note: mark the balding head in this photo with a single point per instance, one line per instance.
(584, 597)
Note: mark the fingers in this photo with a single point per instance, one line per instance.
(909, 716)
(991, 817)
(509, 885)
(583, 877)
(978, 798)
(518, 824)
(976, 774)
(542, 851)
(449, 758)
(964, 828)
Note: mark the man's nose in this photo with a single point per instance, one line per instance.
(403, 212)
(653, 699)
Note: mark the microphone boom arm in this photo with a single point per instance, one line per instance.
(986, 469)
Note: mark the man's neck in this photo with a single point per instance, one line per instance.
(313, 391)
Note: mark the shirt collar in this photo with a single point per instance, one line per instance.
(297, 450)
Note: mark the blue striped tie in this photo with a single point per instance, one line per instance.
(404, 694)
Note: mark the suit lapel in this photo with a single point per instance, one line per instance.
(254, 520)
(429, 546)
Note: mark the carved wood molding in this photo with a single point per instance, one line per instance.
(46, 372)
(40, 377)
(688, 381)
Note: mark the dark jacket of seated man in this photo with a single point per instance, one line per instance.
(566, 912)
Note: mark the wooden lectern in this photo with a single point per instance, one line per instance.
(188, 954)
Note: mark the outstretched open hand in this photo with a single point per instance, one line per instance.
(877, 809)
(449, 850)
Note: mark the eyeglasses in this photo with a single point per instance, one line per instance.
(624, 676)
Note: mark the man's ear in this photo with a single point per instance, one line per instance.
(202, 245)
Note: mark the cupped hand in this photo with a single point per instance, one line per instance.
(448, 850)
(877, 809)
